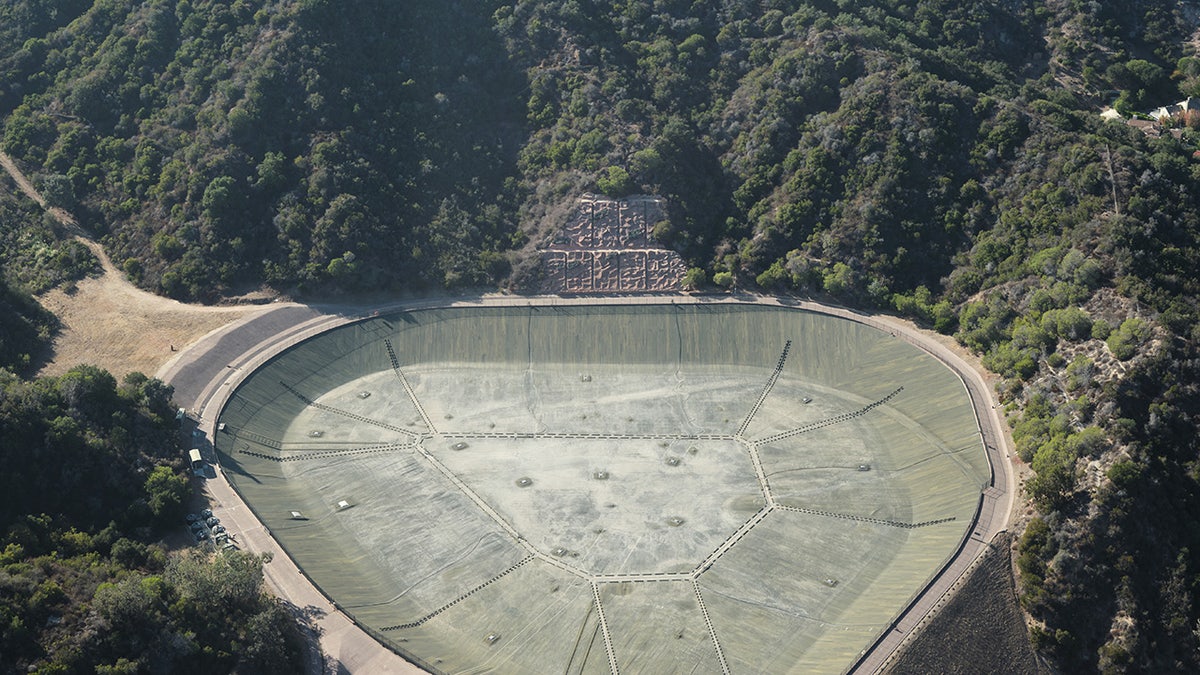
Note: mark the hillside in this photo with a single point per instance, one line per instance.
(93, 577)
(942, 160)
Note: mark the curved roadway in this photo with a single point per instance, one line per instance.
(205, 374)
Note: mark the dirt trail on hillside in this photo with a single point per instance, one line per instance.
(109, 322)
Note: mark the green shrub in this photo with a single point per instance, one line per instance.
(616, 182)
(773, 277)
(1128, 338)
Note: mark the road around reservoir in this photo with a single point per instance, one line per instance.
(206, 373)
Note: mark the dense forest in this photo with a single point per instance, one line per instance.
(942, 160)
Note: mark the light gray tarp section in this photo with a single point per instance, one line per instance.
(472, 481)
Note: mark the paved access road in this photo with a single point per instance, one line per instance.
(199, 365)
(205, 374)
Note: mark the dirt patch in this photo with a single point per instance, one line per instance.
(981, 630)
(108, 323)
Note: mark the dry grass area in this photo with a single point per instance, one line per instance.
(109, 323)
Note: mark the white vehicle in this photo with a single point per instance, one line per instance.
(197, 462)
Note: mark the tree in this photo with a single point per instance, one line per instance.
(166, 492)
(616, 182)
(89, 392)
(1131, 335)
(57, 190)
(773, 276)
(839, 279)
(1054, 466)
(218, 197)
(272, 175)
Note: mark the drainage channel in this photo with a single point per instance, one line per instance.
(464, 596)
(865, 519)
(830, 421)
(407, 387)
(712, 632)
(323, 454)
(572, 435)
(729, 542)
(345, 413)
(766, 389)
(240, 434)
(479, 502)
(608, 644)
(759, 472)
